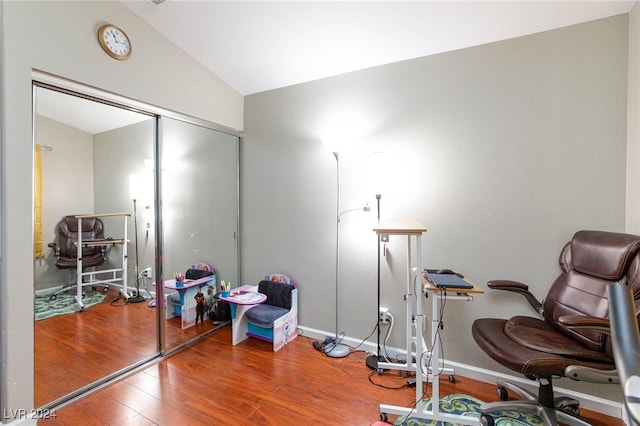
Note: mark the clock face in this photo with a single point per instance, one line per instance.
(114, 41)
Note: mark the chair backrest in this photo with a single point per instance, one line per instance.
(199, 270)
(282, 278)
(278, 294)
(92, 229)
(590, 262)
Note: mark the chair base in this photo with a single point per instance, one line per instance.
(550, 409)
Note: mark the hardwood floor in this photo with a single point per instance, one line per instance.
(215, 383)
(74, 350)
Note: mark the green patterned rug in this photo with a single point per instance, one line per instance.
(466, 405)
(65, 303)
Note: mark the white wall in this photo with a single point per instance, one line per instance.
(60, 38)
(502, 151)
(67, 188)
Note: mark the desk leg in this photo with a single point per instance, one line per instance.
(239, 323)
(125, 290)
(189, 307)
(79, 267)
(168, 306)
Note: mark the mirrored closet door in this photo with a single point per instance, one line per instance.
(153, 195)
(200, 222)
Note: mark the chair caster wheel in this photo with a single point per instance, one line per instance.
(384, 417)
(503, 394)
(573, 409)
(486, 420)
(53, 297)
(452, 378)
(569, 405)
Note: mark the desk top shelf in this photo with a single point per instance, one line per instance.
(428, 286)
(399, 227)
(89, 216)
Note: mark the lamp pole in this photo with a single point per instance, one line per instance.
(138, 297)
(372, 360)
(334, 348)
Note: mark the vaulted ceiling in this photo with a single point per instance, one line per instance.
(257, 46)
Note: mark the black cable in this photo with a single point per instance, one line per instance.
(365, 339)
(404, 385)
(408, 416)
(437, 339)
(330, 343)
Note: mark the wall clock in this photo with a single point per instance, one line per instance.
(114, 42)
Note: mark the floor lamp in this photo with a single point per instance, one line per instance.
(138, 297)
(134, 189)
(334, 348)
(373, 360)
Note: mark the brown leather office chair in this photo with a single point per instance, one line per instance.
(66, 250)
(572, 338)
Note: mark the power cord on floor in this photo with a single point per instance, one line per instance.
(408, 384)
(328, 344)
(116, 299)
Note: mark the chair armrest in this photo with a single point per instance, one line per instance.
(517, 287)
(582, 322)
(55, 247)
(581, 372)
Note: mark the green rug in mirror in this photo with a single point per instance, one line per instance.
(65, 303)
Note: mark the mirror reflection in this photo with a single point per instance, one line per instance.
(84, 153)
(200, 219)
(95, 171)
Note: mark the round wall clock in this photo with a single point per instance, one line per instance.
(114, 42)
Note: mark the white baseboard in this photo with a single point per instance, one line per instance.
(589, 402)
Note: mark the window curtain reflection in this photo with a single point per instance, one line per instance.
(38, 251)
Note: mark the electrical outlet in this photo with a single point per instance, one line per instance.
(146, 272)
(383, 316)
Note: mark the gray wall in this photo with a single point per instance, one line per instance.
(502, 151)
(65, 190)
(118, 154)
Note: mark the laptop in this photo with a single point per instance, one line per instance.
(448, 280)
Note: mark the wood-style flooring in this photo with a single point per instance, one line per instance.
(72, 351)
(214, 383)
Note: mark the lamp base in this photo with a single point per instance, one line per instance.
(373, 360)
(338, 351)
(138, 298)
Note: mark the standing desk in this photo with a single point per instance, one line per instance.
(92, 275)
(415, 288)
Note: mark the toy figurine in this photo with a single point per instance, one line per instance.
(200, 305)
(210, 302)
